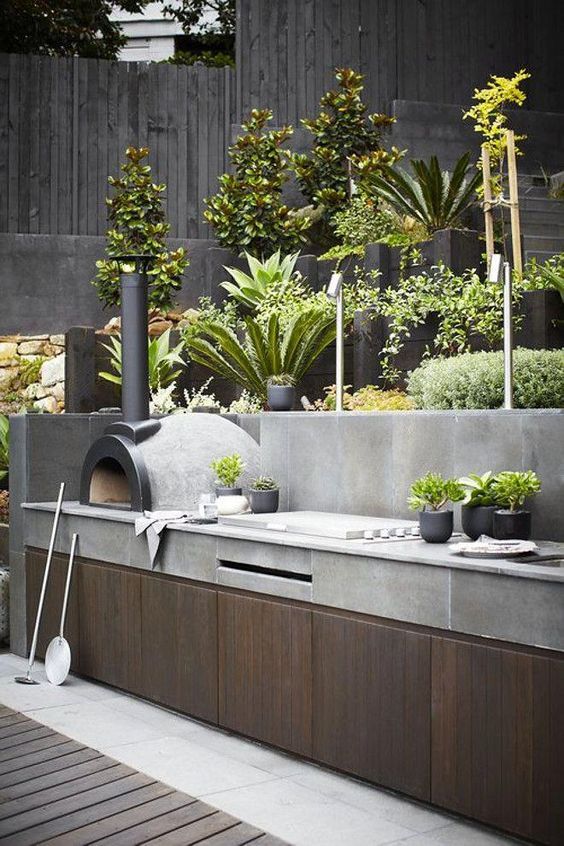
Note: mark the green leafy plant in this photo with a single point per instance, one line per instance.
(368, 398)
(264, 483)
(480, 490)
(434, 492)
(475, 380)
(513, 487)
(281, 380)
(31, 370)
(139, 226)
(201, 398)
(341, 130)
(161, 360)
(228, 469)
(436, 199)
(249, 290)
(265, 350)
(491, 121)
(545, 276)
(4, 447)
(247, 403)
(248, 213)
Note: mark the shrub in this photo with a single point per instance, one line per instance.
(139, 225)
(341, 130)
(513, 487)
(228, 469)
(248, 213)
(368, 398)
(434, 491)
(475, 380)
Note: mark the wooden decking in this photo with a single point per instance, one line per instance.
(54, 790)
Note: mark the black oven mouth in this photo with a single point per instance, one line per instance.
(114, 475)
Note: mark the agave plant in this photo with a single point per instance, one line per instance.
(437, 199)
(250, 290)
(266, 351)
(161, 361)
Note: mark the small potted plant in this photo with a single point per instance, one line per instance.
(512, 488)
(281, 392)
(479, 504)
(264, 495)
(228, 470)
(430, 495)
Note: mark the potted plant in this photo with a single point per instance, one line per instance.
(281, 392)
(479, 504)
(430, 495)
(512, 488)
(264, 495)
(228, 469)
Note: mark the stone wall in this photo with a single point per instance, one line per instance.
(32, 373)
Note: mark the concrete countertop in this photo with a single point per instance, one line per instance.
(413, 551)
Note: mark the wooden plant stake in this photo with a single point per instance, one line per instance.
(514, 202)
(488, 216)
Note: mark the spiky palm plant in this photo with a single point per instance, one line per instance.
(265, 351)
(437, 199)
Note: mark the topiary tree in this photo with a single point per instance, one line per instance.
(341, 131)
(247, 213)
(139, 225)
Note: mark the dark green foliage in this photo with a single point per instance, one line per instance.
(248, 213)
(434, 492)
(341, 130)
(513, 487)
(435, 198)
(139, 225)
(479, 490)
(194, 15)
(63, 27)
(475, 380)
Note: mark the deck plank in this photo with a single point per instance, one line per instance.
(54, 790)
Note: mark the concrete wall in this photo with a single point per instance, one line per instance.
(45, 281)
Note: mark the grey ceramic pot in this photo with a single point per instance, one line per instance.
(512, 525)
(435, 526)
(281, 397)
(264, 502)
(221, 491)
(478, 520)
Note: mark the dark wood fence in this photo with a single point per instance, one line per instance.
(65, 124)
(429, 50)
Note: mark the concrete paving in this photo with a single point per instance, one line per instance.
(301, 803)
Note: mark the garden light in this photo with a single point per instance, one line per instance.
(335, 291)
(494, 275)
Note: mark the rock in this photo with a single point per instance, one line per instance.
(157, 327)
(58, 340)
(53, 371)
(113, 325)
(8, 353)
(48, 404)
(35, 391)
(58, 391)
(8, 375)
(32, 348)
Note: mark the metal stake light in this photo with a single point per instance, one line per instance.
(494, 275)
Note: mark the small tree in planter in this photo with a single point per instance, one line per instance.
(479, 504)
(512, 488)
(264, 494)
(430, 495)
(139, 226)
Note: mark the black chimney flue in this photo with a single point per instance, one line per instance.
(134, 330)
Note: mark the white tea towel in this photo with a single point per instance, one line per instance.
(154, 522)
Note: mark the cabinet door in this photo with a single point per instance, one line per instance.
(51, 617)
(110, 625)
(498, 737)
(179, 646)
(265, 671)
(371, 694)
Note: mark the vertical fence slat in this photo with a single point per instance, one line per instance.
(192, 186)
(4, 140)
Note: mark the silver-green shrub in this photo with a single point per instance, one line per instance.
(475, 380)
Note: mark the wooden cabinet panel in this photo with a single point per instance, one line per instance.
(371, 691)
(51, 617)
(179, 646)
(497, 737)
(265, 671)
(110, 625)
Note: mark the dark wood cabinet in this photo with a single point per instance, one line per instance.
(110, 625)
(265, 671)
(371, 690)
(179, 645)
(498, 737)
(51, 617)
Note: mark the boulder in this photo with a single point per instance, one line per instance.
(32, 348)
(8, 375)
(53, 371)
(48, 404)
(8, 353)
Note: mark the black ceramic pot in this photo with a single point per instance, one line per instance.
(281, 397)
(221, 491)
(264, 502)
(512, 525)
(435, 526)
(478, 520)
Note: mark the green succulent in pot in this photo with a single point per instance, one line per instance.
(479, 504)
(430, 495)
(264, 495)
(512, 489)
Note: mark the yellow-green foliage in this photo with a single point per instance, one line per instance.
(369, 398)
(490, 118)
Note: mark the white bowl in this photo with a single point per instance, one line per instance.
(229, 505)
